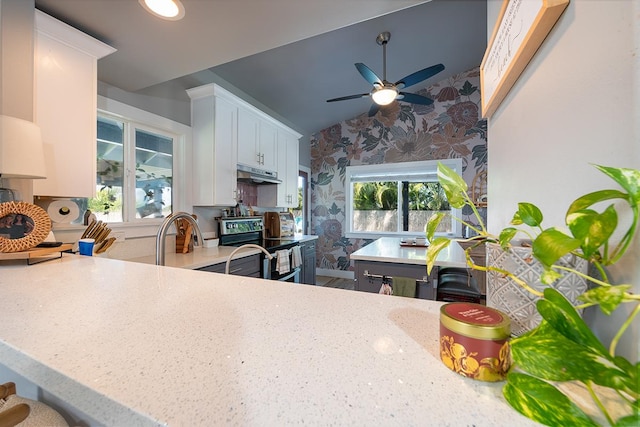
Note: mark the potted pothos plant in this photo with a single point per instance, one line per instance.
(562, 351)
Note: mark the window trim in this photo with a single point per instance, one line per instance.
(181, 153)
(427, 168)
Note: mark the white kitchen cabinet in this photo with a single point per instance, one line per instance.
(65, 86)
(283, 195)
(225, 129)
(256, 140)
(214, 124)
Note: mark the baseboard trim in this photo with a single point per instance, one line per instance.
(342, 274)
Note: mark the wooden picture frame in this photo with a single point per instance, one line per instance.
(519, 31)
(22, 226)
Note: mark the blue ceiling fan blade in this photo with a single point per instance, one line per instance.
(374, 109)
(368, 75)
(342, 98)
(419, 76)
(414, 99)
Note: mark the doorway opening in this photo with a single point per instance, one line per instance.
(302, 212)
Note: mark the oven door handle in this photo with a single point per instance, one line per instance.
(295, 273)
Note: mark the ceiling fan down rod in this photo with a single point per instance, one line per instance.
(382, 40)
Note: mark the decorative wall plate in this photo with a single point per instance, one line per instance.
(22, 226)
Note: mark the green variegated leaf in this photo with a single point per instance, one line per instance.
(516, 220)
(435, 246)
(432, 224)
(558, 311)
(506, 236)
(529, 214)
(629, 421)
(591, 199)
(549, 276)
(542, 402)
(629, 179)
(608, 297)
(551, 245)
(551, 356)
(592, 228)
(454, 186)
(626, 366)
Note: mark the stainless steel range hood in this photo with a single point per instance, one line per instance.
(257, 176)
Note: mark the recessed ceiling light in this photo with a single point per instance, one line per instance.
(171, 10)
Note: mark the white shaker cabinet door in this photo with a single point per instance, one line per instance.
(248, 147)
(65, 106)
(225, 164)
(267, 137)
(214, 122)
(256, 140)
(284, 195)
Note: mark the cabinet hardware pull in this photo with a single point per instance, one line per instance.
(374, 276)
(425, 279)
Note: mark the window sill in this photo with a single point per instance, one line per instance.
(127, 230)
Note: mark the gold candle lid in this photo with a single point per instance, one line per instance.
(475, 321)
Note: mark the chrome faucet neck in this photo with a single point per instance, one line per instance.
(161, 237)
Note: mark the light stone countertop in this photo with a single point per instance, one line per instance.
(135, 344)
(388, 249)
(200, 257)
(203, 257)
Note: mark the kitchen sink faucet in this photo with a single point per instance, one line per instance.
(161, 237)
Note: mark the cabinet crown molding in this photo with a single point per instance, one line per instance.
(66, 34)
(217, 90)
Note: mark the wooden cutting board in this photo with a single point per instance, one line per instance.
(35, 252)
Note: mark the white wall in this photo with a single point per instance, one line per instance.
(576, 103)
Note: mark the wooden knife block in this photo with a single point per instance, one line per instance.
(180, 244)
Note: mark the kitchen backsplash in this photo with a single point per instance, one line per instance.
(248, 193)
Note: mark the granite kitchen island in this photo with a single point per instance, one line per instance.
(134, 344)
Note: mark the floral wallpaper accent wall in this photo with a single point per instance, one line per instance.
(449, 128)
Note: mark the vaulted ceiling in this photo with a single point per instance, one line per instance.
(290, 55)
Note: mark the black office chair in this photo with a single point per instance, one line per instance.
(457, 284)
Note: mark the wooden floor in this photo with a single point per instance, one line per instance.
(335, 282)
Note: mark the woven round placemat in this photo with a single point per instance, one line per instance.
(31, 218)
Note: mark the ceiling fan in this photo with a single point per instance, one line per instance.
(384, 92)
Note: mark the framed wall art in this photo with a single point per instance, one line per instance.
(520, 29)
(22, 226)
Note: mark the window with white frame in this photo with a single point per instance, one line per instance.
(134, 171)
(139, 156)
(397, 199)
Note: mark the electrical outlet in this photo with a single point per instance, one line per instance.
(119, 235)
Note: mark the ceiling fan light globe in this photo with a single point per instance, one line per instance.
(384, 96)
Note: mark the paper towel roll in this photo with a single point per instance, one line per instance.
(63, 211)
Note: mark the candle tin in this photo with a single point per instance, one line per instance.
(474, 340)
